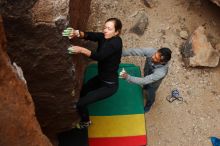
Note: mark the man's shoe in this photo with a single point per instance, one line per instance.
(147, 108)
(83, 125)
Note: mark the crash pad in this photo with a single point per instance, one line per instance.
(118, 120)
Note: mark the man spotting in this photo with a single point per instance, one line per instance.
(155, 69)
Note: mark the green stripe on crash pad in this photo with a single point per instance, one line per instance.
(127, 100)
(92, 70)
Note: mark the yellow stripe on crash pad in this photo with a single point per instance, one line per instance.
(117, 126)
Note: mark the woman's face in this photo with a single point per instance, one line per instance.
(109, 30)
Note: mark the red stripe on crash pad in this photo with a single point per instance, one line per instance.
(119, 141)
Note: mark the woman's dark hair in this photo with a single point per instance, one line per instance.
(165, 54)
(117, 22)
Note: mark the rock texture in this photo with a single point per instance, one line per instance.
(217, 2)
(54, 78)
(18, 124)
(49, 11)
(198, 51)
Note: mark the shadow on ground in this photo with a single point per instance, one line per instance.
(74, 137)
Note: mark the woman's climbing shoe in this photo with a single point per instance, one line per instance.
(82, 125)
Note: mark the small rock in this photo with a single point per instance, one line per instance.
(141, 24)
(184, 34)
(149, 3)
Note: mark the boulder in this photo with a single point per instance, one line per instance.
(49, 11)
(54, 78)
(18, 123)
(198, 51)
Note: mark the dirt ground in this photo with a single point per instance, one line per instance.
(192, 122)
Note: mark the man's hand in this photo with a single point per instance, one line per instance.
(124, 75)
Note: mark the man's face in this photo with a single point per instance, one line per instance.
(156, 58)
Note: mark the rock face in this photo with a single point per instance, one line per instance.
(18, 124)
(217, 2)
(53, 77)
(49, 11)
(197, 51)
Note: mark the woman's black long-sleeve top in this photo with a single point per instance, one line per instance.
(108, 55)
